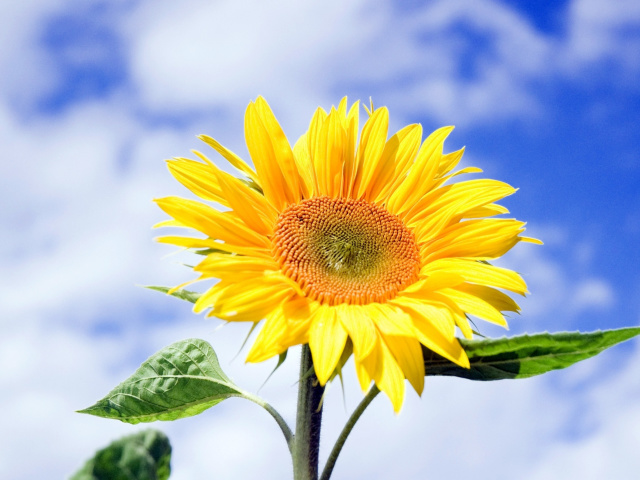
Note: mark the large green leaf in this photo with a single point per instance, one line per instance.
(181, 294)
(526, 355)
(179, 381)
(142, 456)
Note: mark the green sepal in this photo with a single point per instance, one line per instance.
(281, 358)
(209, 251)
(253, 185)
(187, 295)
(179, 381)
(143, 456)
(526, 355)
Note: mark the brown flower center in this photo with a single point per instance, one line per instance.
(345, 251)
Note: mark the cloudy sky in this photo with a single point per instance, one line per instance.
(94, 95)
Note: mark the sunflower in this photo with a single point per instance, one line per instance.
(352, 244)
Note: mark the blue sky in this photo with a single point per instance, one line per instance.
(95, 95)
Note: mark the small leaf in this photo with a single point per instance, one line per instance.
(526, 355)
(179, 381)
(142, 456)
(181, 294)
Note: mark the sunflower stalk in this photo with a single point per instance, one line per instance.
(308, 421)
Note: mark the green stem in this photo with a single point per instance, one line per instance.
(288, 434)
(331, 461)
(308, 421)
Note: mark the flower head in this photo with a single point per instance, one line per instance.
(350, 243)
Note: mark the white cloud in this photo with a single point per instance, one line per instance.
(19, 53)
(47, 372)
(65, 237)
(200, 55)
(597, 33)
(609, 449)
(592, 293)
(563, 281)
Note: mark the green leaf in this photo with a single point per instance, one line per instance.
(142, 456)
(181, 294)
(179, 381)
(526, 355)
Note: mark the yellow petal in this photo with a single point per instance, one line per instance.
(267, 343)
(422, 173)
(327, 149)
(531, 240)
(389, 377)
(497, 299)
(233, 267)
(298, 311)
(209, 298)
(248, 204)
(359, 326)
(327, 338)
(252, 299)
(372, 142)
(435, 280)
(481, 239)
(441, 180)
(305, 167)
(390, 319)
(344, 358)
(475, 306)
(486, 211)
(477, 272)
(366, 367)
(198, 177)
(441, 300)
(428, 322)
(215, 224)
(169, 223)
(398, 153)
(441, 309)
(265, 159)
(282, 151)
(448, 162)
(334, 151)
(454, 200)
(351, 124)
(314, 136)
(465, 327)
(231, 157)
(190, 242)
(437, 314)
(408, 355)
